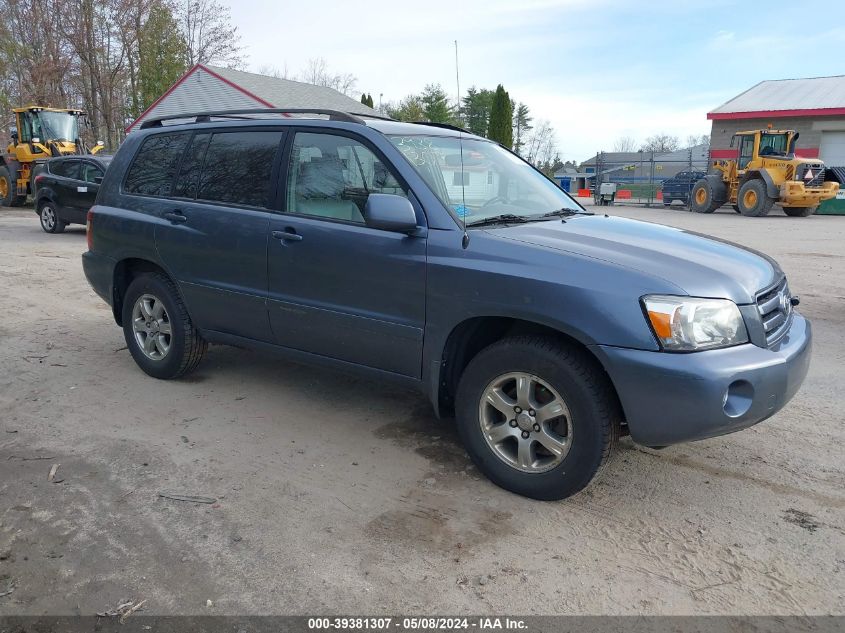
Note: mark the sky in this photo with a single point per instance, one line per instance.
(596, 69)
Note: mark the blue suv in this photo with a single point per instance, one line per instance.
(425, 255)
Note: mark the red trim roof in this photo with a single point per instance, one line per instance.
(766, 114)
(182, 79)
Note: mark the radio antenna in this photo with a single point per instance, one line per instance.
(463, 213)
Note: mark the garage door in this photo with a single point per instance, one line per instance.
(832, 150)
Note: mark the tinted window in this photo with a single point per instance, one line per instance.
(65, 168)
(237, 167)
(186, 183)
(332, 176)
(90, 172)
(155, 166)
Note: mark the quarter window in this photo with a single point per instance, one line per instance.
(155, 166)
(237, 167)
(332, 176)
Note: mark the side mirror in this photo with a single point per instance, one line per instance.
(390, 212)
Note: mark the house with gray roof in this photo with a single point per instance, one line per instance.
(205, 87)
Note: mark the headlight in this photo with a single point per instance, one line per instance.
(685, 324)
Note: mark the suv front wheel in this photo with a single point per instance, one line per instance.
(537, 416)
(157, 328)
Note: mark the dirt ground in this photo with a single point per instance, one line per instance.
(335, 494)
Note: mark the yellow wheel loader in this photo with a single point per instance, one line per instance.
(39, 133)
(765, 173)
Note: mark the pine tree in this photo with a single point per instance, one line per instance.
(475, 110)
(436, 107)
(500, 128)
(370, 101)
(521, 126)
(161, 54)
(364, 98)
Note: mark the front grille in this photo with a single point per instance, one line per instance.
(818, 174)
(775, 307)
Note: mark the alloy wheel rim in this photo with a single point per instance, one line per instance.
(152, 328)
(525, 422)
(48, 217)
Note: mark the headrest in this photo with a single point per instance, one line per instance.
(321, 178)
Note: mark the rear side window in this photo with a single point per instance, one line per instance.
(65, 169)
(90, 172)
(154, 168)
(238, 166)
(189, 174)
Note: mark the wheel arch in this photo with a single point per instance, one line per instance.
(771, 188)
(125, 271)
(472, 335)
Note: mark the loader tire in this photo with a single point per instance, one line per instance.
(706, 196)
(7, 187)
(799, 212)
(753, 200)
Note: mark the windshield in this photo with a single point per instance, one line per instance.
(493, 182)
(55, 126)
(773, 144)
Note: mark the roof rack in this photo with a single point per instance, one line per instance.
(445, 126)
(204, 117)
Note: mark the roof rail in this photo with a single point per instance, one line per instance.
(445, 126)
(204, 117)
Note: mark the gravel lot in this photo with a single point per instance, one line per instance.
(335, 494)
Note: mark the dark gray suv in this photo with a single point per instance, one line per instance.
(438, 259)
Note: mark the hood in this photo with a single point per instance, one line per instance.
(700, 265)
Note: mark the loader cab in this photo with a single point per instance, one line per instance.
(763, 144)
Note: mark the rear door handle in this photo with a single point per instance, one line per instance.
(175, 217)
(288, 236)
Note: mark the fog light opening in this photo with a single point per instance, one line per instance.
(738, 398)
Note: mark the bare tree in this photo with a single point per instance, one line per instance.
(625, 144)
(661, 143)
(694, 140)
(540, 147)
(210, 37)
(274, 71)
(317, 72)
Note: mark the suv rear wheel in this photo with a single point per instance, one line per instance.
(537, 416)
(50, 221)
(157, 328)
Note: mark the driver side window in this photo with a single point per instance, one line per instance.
(332, 176)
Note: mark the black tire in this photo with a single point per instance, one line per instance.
(49, 217)
(707, 196)
(799, 212)
(593, 406)
(186, 346)
(753, 200)
(10, 187)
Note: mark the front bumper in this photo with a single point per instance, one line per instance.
(795, 194)
(672, 398)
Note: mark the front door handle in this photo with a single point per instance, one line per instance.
(288, 236)
(175, 217)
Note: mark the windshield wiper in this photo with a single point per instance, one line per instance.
(565, 212)
(502, 218)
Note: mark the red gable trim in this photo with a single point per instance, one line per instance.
(182, 79)
(765, 114)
